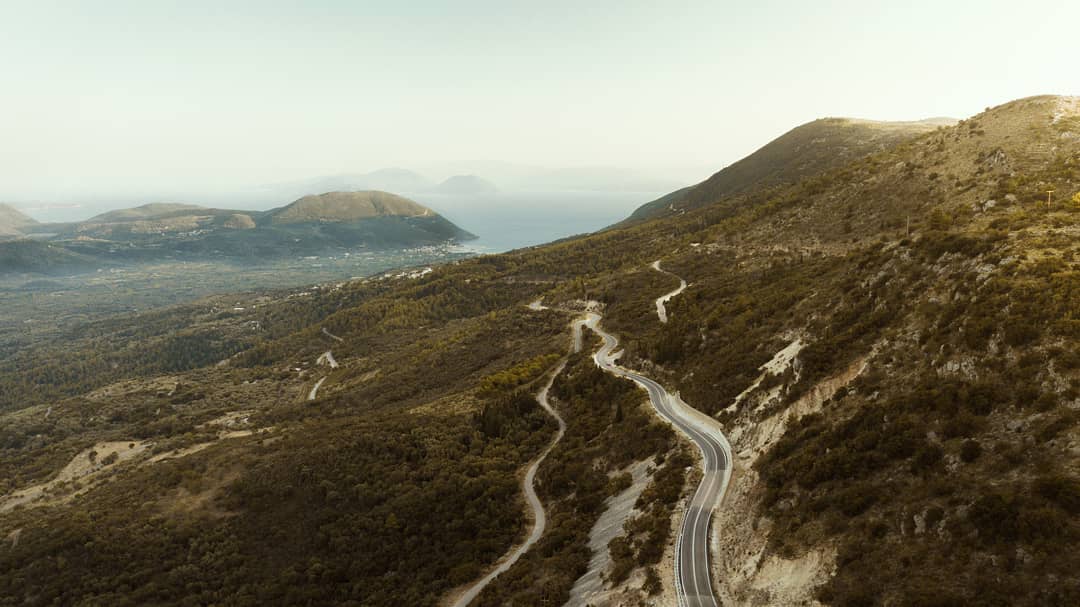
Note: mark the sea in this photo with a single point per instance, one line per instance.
(507, 221)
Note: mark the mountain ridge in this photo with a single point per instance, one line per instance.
(800, 152)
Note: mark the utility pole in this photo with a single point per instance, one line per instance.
(1049, 194)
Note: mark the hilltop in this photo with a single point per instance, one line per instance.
(347, 207)
(889, 344)
(154, 210)
(806, 150)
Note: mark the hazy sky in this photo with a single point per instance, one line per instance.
(99, 95)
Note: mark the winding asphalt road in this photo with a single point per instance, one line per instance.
(693, 579)
(539, 517)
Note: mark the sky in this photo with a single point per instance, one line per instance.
(108, 96)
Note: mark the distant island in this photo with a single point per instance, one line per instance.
(311, 225)
(463, 185)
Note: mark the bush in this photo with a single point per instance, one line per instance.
(970, 451)
(927, 457)
(1063, 491)
(652, 585)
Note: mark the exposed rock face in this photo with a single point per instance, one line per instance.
(749, 575)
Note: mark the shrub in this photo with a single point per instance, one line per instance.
(652, 585)
(970, 451)
(1063, 491)
(926, 457)
(995, 518)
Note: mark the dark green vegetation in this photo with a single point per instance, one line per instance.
(306, 520)
(926, 433)
(64, 336)
(403, 451)
(336, 223)
(34, 257)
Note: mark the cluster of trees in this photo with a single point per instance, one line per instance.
(516, 376)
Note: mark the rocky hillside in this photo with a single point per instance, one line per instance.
(890, 345)
(892, 348)
(803, 151)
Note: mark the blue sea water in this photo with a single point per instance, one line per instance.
(507, 221)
